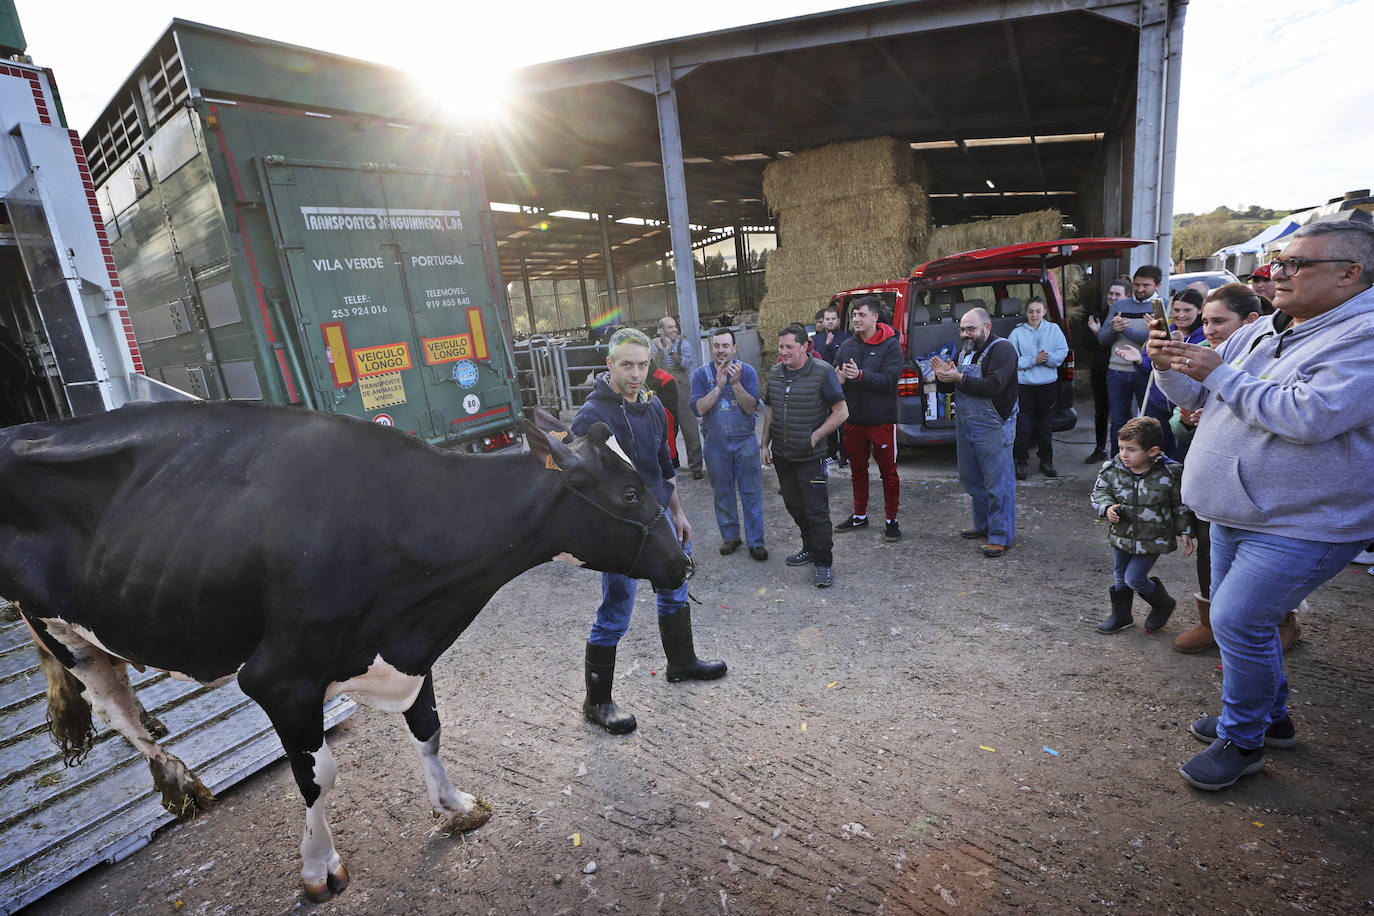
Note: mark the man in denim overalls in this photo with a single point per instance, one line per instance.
(985, 420)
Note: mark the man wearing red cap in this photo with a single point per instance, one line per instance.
(1261, 283)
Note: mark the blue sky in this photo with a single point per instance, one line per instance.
(1276, 94)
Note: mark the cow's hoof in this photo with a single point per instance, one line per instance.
(338, 879)
(475, 817)
(182, 793)
(318, 891)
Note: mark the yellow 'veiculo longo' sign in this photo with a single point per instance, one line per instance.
(371, 361)
(448, 349)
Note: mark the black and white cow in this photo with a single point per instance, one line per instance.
(306, 554)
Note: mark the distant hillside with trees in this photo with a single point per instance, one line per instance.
(1197, 235)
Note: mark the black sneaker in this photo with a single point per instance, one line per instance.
(759, 553)
(853, 523)
(729, 547)
(824, 577)
(1021, 470)
(1278, 734)
(1222, 765)
(1096, 457)
(892, 532)
(800, 558)
(1048, 469)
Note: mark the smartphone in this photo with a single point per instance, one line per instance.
(1162, 318)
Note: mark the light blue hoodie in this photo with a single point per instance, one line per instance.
(1028, 342)
(1286, 441)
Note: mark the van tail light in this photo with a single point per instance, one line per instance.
(909, 385)
(1068, 367)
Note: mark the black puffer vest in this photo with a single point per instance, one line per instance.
(798, 410)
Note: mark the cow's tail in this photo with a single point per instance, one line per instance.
(69, 715)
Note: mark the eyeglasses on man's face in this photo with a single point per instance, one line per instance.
(1291, 266)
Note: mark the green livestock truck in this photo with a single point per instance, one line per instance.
(295, 227)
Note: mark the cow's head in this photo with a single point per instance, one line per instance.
(609, 520)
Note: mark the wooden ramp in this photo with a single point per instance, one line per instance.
(56, 821)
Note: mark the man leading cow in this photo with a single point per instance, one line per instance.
(637, 420)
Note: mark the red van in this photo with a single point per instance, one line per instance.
(926, 307)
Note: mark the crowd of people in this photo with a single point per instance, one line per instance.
(1242, 426)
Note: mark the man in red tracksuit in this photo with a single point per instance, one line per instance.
(869, 364)
(664, 387)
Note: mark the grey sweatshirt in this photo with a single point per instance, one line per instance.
(1286, 441)
(1134, 335)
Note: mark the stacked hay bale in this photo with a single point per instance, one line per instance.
(848, 214)
(1039, 226)
(990, 233)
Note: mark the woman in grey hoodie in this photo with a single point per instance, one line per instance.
(1276, 467)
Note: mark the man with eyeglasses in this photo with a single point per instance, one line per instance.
(985, 427)
(1285, 440)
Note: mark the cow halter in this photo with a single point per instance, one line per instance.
(644, 527)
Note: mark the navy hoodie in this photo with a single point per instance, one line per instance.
(872, 397)
(641, 428)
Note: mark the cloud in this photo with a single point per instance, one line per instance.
(1272, 109)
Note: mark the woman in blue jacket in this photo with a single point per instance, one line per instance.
(1040, 349)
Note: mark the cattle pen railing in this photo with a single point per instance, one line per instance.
(556, 374)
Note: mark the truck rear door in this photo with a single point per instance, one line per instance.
(390, 287)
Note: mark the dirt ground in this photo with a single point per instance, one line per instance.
(937, 733)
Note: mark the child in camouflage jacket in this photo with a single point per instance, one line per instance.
(1139, 493)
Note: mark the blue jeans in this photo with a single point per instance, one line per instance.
(985, 468)
(1124, 391)
(1256, 579)
(1132, 570)
(736, 463)
(618, 601)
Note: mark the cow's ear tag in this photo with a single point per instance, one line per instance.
(551, 464)
(560, 434)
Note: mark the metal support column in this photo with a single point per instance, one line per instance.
(1174, 64)
(582, 284)
(529, 296)
(1149, 133)
(612, 297)
(675, 184)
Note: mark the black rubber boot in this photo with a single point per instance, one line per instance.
(683, 664)
(599, 707)
(1161, 606)
(1120, 617)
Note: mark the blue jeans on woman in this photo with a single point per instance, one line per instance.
(1132, 570)
(618, 601)
(736, 463)
(1256, 579)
